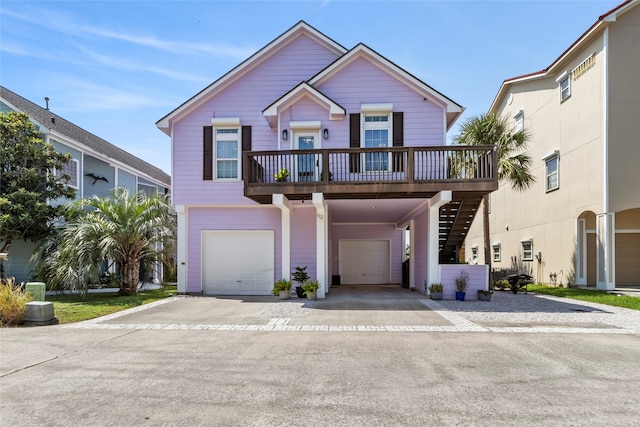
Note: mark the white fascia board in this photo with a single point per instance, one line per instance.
(376, 108)
(336, 112)
(247, 65)
(362, 51)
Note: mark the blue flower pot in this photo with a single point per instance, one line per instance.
(460, 296)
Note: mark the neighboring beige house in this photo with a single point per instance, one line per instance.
(581, 220)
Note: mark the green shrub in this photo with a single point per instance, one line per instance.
(310, 286)
(436, 287)
(13, 303)
(281, 285)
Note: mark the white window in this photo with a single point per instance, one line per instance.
(527, 250)
(227, 153)
(519, 121)
(376, 134)
(565, 87)
(71, 169)
(496, 249)
(474, 253)
(551, 173)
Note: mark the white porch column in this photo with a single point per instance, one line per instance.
(181, 248)
(581, 252)
(283, 203)
(606, 243)
(412, 264)
(322, 250)
(433, 261)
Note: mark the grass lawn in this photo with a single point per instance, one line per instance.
(70, 308)
(599, 297)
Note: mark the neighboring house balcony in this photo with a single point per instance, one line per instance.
(371, 173)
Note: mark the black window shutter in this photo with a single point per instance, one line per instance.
(246, 138)
(207, 157)
(354, 141)
(398, 140)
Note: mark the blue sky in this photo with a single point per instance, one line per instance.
(116, 67)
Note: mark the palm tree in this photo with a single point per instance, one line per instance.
(513, 163)
(127, 229)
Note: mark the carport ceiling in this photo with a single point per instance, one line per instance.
(372, 210)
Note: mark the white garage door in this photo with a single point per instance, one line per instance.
(364, 262)
(237, 262)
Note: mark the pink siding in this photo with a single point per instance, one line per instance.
(227, 219)
(246, 98)
(477, 279)
(369, 231)
(362, 82)
(303, 240)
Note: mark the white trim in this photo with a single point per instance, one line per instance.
(385, 108)
(433, 234)
(322, 250)
(628, 231)
(230, 136)
(281, 201)
(312, 125)
(547, 156)
(562, 76)
(182, 253)
(605, 119)
(249, 64)
(581, 252)
(451, 108)
(272, 112)
(225, 121)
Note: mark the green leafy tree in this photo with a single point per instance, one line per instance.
(514, 164)
(28, 181)
(128, 229)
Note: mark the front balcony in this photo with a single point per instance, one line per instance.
(371, 173)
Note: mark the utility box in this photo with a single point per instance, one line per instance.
(36, 289)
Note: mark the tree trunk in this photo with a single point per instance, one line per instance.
(129, 275)
(487, 237)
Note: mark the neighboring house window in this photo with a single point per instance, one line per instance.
(519, 121)
(551, 173)
(71, 169)
(474, 253)
(227, 153)
(527, 250)
(496, 248)
(565, 87)
(376, 129)
(149, 190)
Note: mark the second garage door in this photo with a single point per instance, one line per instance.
(238, 262)
(364, 262)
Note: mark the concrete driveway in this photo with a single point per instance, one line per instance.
(364, 361)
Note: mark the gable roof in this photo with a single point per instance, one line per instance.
(594, 30)
(452, 109)
(53, 122)
(336, 111)
(301, 28)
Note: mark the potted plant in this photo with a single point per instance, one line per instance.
(300, 275)
(282, 175)
(311, 289)
(435, 290)
(461, 285)
(282, 288)
(484, 295)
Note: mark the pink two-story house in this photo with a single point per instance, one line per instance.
(367, 173)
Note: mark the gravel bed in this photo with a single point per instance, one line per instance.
(507, 308)
(289, 308)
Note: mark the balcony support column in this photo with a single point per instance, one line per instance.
(322, 248)
(283, 203)
(433, 262)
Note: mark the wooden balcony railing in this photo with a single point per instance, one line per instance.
(339, 172)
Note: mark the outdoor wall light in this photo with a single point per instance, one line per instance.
(325, 133)
(285, 135)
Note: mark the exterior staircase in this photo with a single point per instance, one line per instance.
(455, 220)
